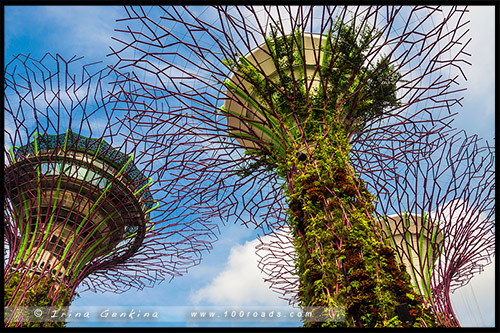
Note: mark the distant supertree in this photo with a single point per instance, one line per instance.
(305, 107)
(452, 191)
(84, 204)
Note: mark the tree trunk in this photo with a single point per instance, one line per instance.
(344, 267)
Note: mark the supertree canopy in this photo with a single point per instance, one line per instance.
(84, 204)
(296, 119)
(453, 193)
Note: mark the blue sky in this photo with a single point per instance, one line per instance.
(228, 275)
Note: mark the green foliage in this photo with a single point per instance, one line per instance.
(362, 93)
(350, 95)
(255, 164)
(341, 258)
(35, 292)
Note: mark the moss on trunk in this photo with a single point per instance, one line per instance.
(342, 261)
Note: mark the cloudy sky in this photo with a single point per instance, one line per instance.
(228, 278)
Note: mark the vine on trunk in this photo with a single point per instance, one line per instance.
(342, 261)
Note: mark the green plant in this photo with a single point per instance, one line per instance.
(341, 258)
(35, 291)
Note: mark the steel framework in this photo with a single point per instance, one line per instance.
(188, 68)
(454, 188)
(84, 205)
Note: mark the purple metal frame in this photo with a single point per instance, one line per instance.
(177, 73)
(66, 138)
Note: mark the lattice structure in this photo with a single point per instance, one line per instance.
(84, 206)
(454, 190)
(258, 99)
(180, 54)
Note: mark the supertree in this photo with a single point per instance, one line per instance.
(453, 193)
(437, 214)
(287, 118)
(84, 204)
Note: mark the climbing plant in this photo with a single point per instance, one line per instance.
(342, 260)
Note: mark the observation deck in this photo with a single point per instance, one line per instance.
(241, 107)
(76, 201)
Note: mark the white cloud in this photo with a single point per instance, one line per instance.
(474, 304)
(478, 113)
(240, 283)
(481, 47)
(68, 30)
(85, 29)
